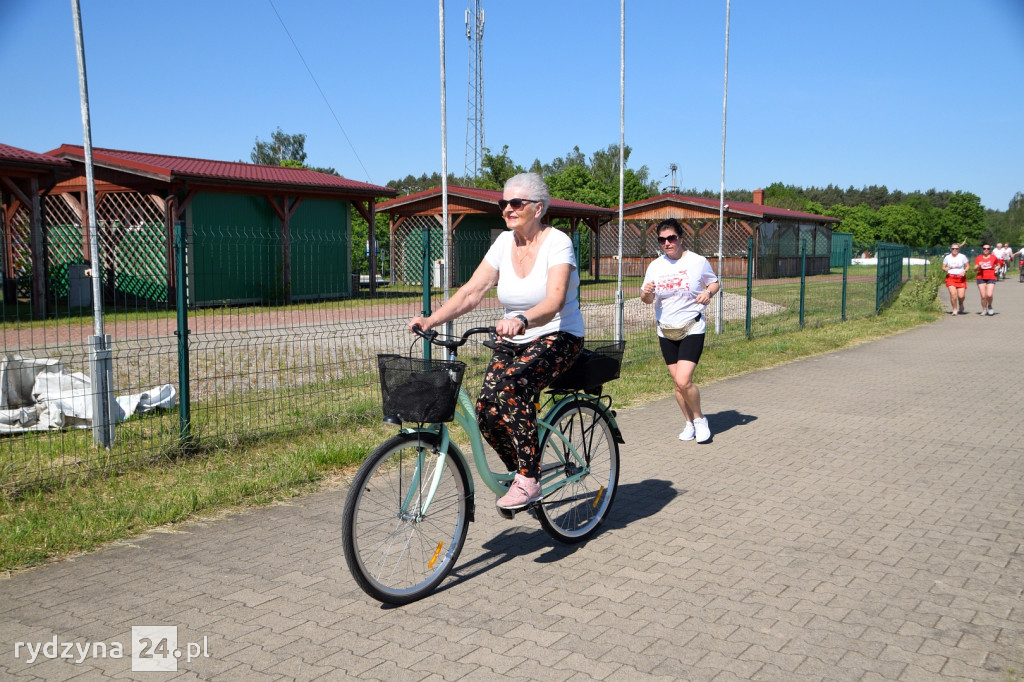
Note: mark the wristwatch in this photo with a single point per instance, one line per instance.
(522, 318)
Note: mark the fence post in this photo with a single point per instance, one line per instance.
(426, 281)
(879, 285)
(750, 281)
(906, 250)
(181, 303)
(847, 256)
(101, 369)
(803, 280)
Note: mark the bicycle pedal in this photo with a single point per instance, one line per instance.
(506, 513)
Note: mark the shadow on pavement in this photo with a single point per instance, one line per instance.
(725, 420)
(633, 502)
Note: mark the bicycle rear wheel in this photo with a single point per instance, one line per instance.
(397, 551)
(573, 512)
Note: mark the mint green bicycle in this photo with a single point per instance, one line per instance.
(409, 508)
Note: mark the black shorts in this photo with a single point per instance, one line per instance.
(688, 348)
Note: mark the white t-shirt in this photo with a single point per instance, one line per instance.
(519, 294)
(957, 264)
(676, 286)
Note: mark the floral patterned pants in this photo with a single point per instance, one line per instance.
(513, 381)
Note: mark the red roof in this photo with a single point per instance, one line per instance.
(558, 207)
(168, 168)
(733, 207)
(9, 154)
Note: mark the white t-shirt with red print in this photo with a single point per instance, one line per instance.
(957, 264)
(676, 286)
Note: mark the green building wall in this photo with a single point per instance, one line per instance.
(236, 253)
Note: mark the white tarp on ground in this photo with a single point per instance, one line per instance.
(874, 261)
(40, 394)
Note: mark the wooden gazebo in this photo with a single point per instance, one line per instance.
(699, 217)
(25, 177)
(141, 196)
(474, 220)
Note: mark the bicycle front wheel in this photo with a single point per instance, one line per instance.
(406, 518)
(574, 511)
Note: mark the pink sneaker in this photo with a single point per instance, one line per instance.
(523, 492)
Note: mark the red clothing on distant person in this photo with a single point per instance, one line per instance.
(986, 266)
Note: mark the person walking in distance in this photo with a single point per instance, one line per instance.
(1001, 268)
(1006, 255)
(985, 265)
(955, 264)
(680, 284)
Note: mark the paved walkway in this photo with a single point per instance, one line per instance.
(858, 516)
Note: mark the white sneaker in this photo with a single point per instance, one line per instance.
(688, 432)
(990, 312)
(701, 429)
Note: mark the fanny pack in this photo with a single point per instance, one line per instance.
(678, 333)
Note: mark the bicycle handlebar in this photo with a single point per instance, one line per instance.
(454, 342)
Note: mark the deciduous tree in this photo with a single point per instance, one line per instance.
(281, 147)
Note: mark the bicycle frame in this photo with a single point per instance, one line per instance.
(465, 416)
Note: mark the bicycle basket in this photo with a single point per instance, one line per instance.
(419, 390)
(598, 363)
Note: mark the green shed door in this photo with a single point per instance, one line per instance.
(236, 249)
(320, 250)
(472, 239)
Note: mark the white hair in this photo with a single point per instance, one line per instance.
(535, 187)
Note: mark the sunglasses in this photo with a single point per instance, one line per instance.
(669, 239)
(516, 203)
(954, 248)
(986, 248)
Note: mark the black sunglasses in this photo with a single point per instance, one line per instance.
(516, 203)
(670, 238)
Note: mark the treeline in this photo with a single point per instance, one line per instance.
(590, 180)
(928, 218)
(873, 213)
(812, 199)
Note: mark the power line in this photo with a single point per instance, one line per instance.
(340, 127)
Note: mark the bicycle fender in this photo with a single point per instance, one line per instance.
(616, 433)
(453, 450)
(606, 411)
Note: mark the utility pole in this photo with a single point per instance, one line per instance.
(475, 91)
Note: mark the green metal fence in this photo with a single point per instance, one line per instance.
(890, 271)
(277, 364)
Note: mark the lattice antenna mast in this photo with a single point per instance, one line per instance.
(475, 91)
(674, 187)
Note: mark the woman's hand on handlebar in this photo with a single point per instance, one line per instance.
(422, 322)
(508, 327)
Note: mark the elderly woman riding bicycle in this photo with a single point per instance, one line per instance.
(540, 333)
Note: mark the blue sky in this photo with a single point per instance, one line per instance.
(909, 94)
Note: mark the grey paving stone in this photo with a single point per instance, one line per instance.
(840, 525)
